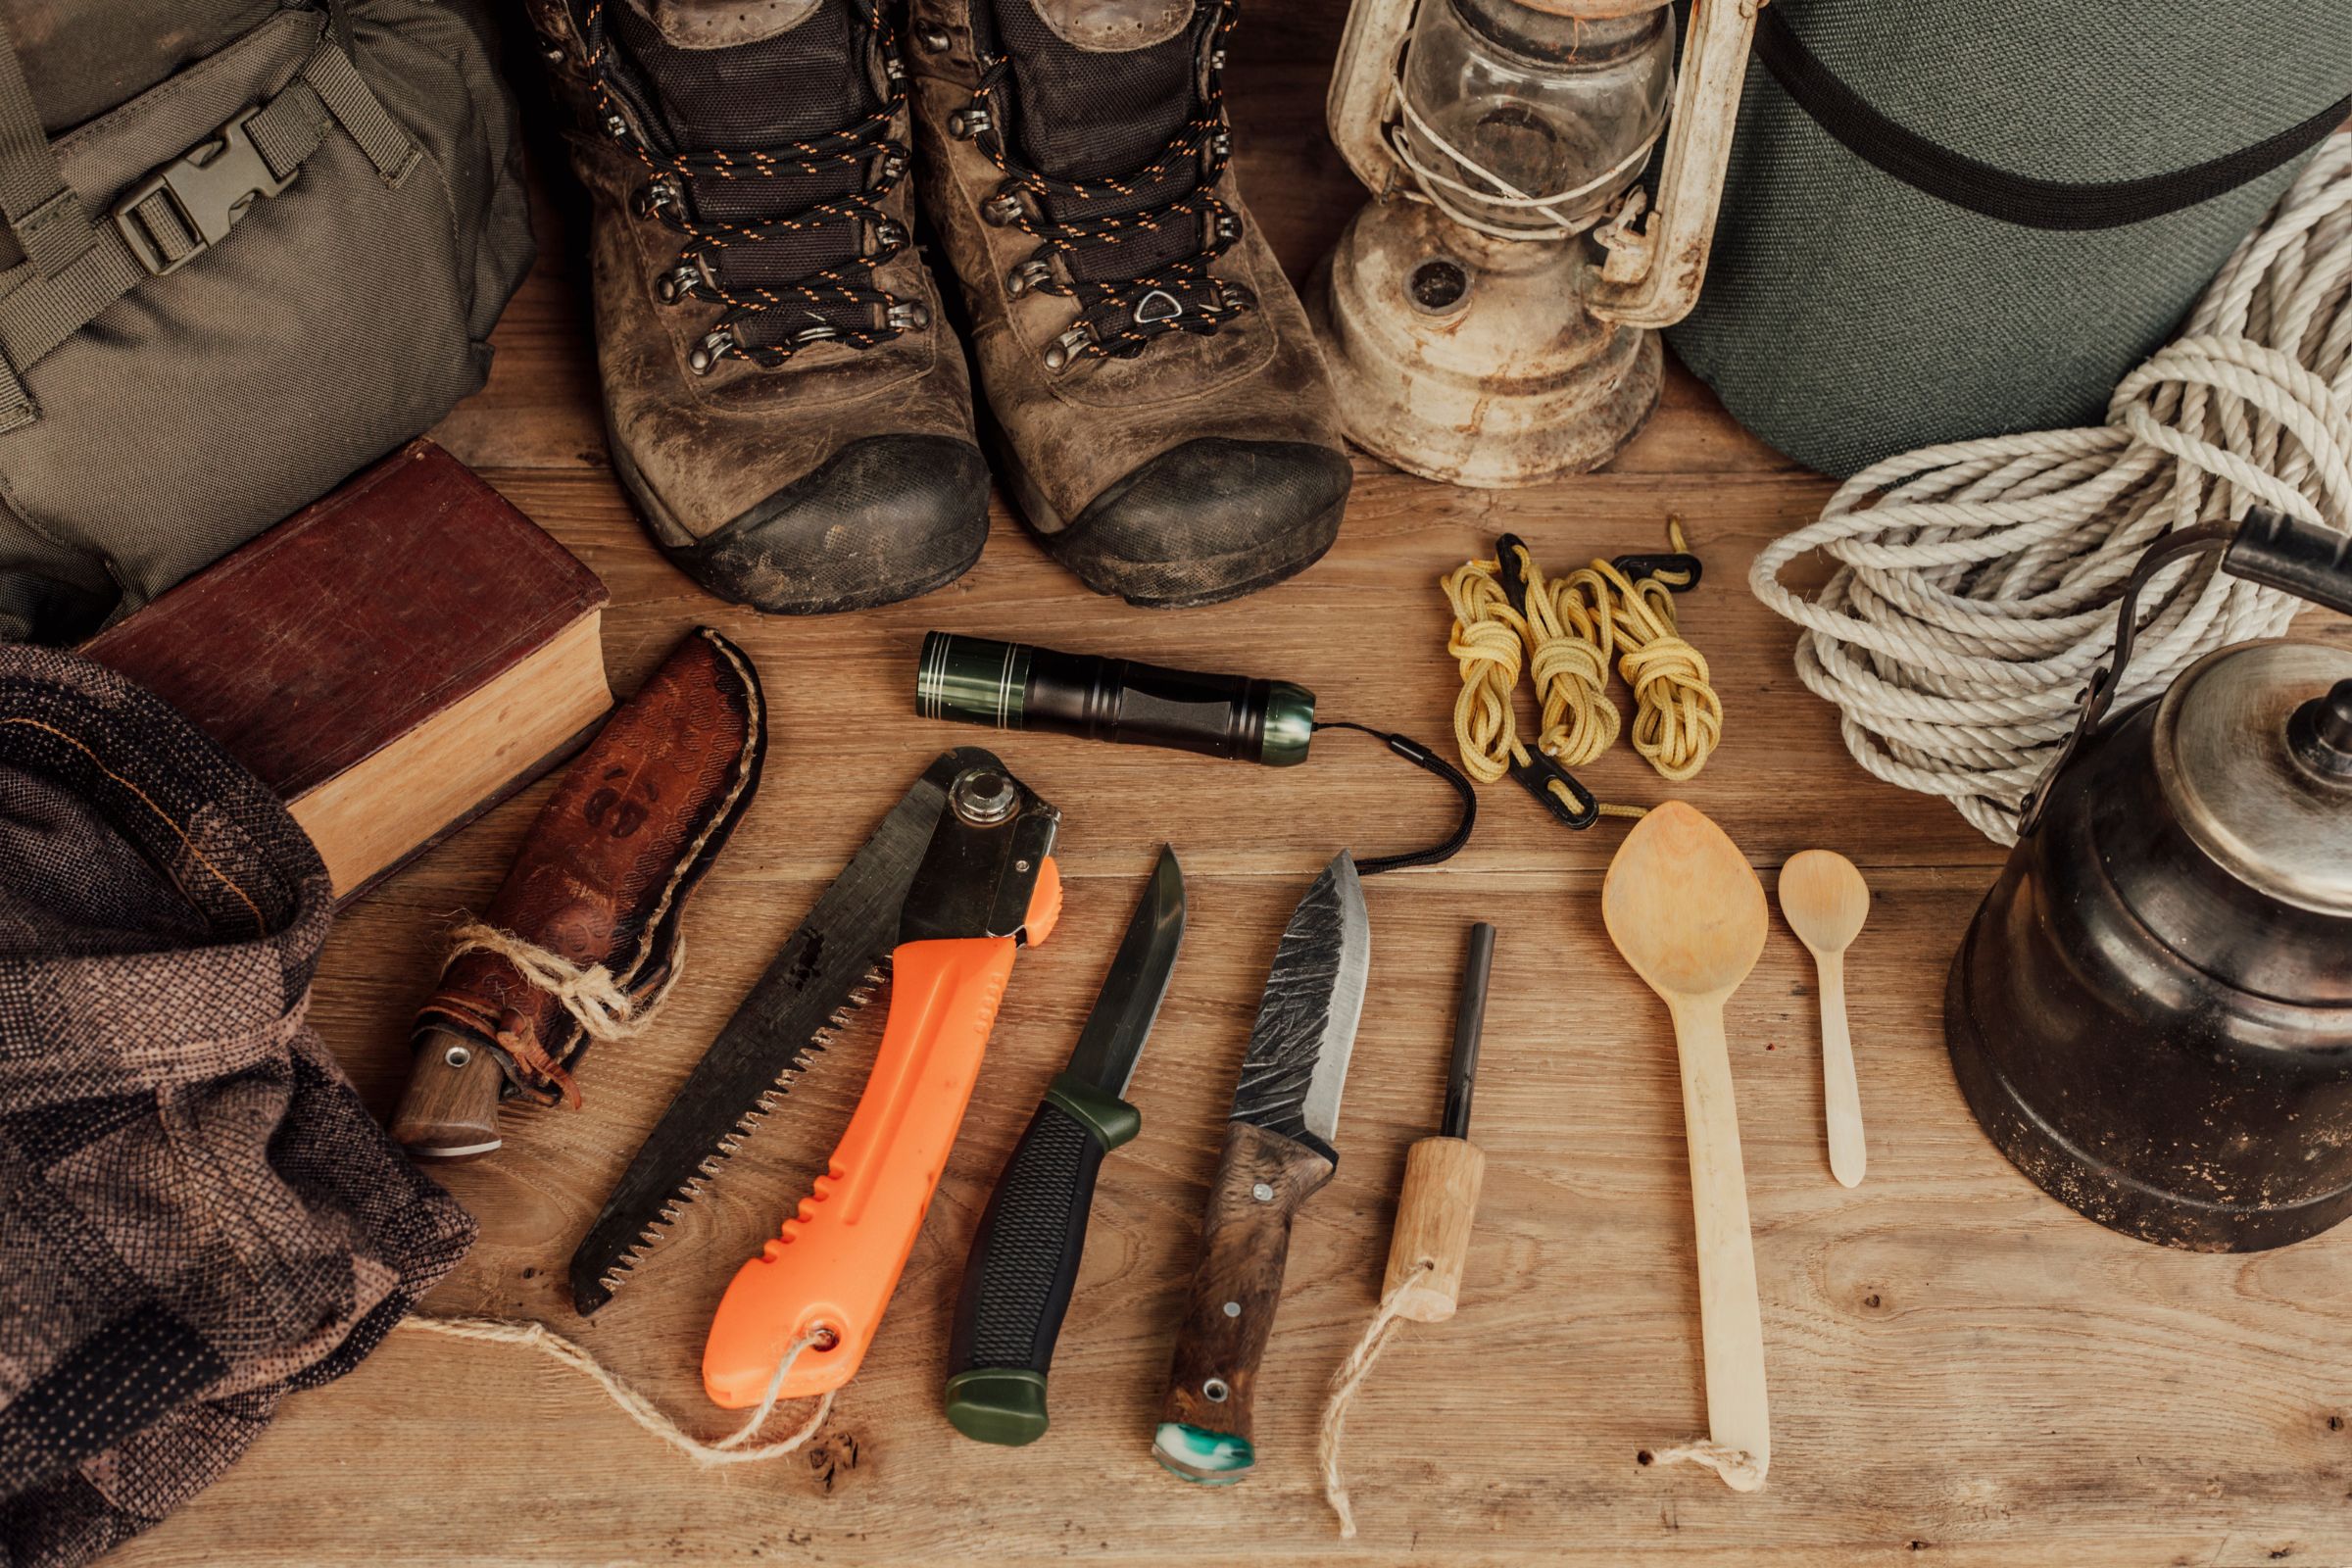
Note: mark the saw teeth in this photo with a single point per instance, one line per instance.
(709, 1166)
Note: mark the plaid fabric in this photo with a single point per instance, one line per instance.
(196, 1213)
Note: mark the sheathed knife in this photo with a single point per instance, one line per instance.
(1025, 1254)
(1278, 1153)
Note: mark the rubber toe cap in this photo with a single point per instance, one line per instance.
(884, 518)
(1211, 520)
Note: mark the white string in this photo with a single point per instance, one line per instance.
(728, 1449)
(1976, 582)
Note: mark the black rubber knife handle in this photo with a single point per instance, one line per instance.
(1024, 1262)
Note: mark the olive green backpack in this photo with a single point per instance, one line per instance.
(246, 246)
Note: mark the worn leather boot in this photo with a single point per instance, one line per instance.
(1163, 417)
(787, 407)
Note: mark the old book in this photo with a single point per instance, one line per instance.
(393, 661)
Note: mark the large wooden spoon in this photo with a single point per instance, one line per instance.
(1688, 913)
(1824, 902)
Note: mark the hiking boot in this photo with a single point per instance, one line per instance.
(787, 407)
(1161, 414)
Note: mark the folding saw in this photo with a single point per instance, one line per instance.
(957, 874)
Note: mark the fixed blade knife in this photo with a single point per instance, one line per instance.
(1278, 1153)
(1025, 1254)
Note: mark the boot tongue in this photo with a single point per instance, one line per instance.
(799, 72)
(1102, 85)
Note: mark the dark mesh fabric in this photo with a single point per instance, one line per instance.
(764, 97)
(802, 82)
(1080, 115)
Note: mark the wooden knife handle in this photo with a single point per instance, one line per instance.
(450, 1110)
(1262, 1181)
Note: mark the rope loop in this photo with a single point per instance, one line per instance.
(1975, 581)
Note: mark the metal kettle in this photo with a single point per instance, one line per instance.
(2151, 1014)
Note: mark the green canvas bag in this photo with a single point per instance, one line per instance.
(1966, 218)
(246, 246)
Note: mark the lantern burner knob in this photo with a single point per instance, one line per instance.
(2320, 734)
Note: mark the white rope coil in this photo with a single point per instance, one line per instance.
(1975, 581)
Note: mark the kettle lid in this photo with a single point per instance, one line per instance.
(2253, 752)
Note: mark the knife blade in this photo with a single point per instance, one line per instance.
(1277, 1155)
(1025, 1254)
(829, 966)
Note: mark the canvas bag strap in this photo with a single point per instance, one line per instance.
(46, 219)
(2030, 202)
(179, 211)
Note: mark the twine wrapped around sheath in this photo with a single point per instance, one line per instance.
(593, 997)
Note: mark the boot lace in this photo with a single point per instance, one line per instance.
(1090, 231)
(829, 250)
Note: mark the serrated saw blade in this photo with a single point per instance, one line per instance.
(830, 966)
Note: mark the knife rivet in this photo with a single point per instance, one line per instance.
(1215, 1391)
(1262, 1192)
(1021, 866)
(1232, 1309)
(458, 1056)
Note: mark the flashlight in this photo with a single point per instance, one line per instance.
(1019, 686)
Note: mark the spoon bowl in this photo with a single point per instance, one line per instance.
(1823, 900)
(1684, 906)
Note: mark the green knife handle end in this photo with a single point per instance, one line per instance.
(1212, 1458)
(1003, 1406)
(1113, 1119)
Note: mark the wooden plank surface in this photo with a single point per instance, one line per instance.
(1961, 1371)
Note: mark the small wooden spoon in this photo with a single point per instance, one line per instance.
(1824, 902)
(1689, 915)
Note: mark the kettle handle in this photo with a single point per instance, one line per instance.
(2307, 559)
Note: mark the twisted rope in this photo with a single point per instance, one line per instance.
(729, 1449)
(592, 996)
(1976, 580)
(1344, 1384)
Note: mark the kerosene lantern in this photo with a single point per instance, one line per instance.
(1490, 316)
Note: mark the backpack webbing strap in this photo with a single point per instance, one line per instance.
(2026, 200)
(46, 219)
(177, 213)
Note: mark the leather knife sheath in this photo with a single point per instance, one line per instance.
(601, 880)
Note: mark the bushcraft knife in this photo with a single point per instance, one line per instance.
(955, 875)
(1024, 1259)
(1278, 1153)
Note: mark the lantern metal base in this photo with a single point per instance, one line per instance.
(1472, 359)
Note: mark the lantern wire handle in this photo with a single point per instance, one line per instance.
(1504, 194)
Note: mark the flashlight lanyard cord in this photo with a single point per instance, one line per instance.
(1421, 757)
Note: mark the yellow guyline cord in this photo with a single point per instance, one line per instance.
(1573, 627)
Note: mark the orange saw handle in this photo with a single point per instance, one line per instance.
(839, 1258)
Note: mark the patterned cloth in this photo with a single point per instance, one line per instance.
(196, 1213)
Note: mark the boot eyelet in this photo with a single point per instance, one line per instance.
(812, 334)
(1001, 211)
(892, 167)
(909, 315)
(1229, 227)
(1216, 60)
(935, 40)
(616, 128)
(894, 67)
(1221, 145)
(705, 356)
(1032, 273)
(968, 121)
(653, 198)
(679, 282)
(552, 52)
(1063, 349)
(889, 236)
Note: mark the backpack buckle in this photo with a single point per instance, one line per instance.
(190, 204)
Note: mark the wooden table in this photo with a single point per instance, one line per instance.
(1961, 1370)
